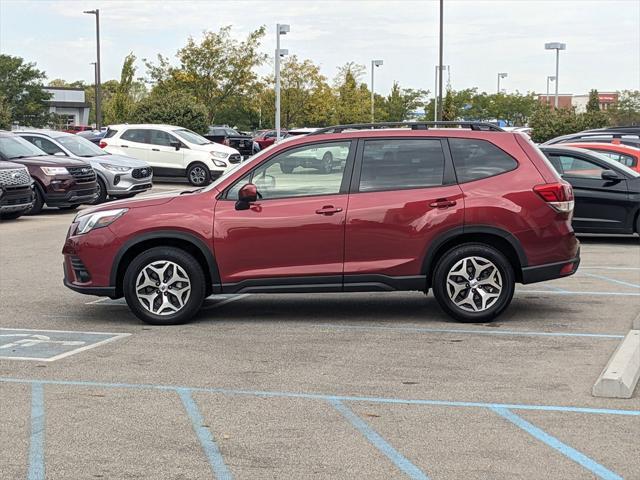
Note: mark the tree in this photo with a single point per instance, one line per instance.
(353, 101)
(5, 114)
(172, 108)
(449, 107)
(593, 105)
(21, 85)
(627, 109)
(120, 105)
(401, 102)
(213, 70)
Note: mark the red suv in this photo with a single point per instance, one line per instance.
(467, 212)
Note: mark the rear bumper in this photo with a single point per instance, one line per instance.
(550, 271)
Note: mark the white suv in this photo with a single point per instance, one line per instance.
(172, 151)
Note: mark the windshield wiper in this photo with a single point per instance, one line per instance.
(192, 191)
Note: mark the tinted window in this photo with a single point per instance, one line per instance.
(627, 160)
(400, 164)
(577, 167)
(43, 144)
(476, 159)
(158, 137)
(298, 172)
(110, 133)
(17, 147)
(135, 135)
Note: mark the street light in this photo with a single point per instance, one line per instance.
(435, 93)
(96, 12)
(557, 46)
(95, 80)
(440, 54)
(280, 30)
(501, 75)
(374, 63)
(550, 78)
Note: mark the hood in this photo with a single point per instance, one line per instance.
(119, 160)
(9, 165)
(214, 147)
(146, 201)
(50, 161)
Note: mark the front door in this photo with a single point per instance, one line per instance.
(600, 204)
(294, 234)
(163, 156)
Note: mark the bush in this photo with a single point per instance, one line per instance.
(172, 108)
(548, 123)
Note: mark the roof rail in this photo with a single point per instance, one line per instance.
(485, 126)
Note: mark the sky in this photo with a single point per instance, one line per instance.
(481, 38)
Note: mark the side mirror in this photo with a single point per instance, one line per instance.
(246, 196)
(610, 175)
(175, 144)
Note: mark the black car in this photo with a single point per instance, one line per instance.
(16, 190)
(626, 135)
(607, 193)
(231, 138)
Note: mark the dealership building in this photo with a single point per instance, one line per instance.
(69, 103)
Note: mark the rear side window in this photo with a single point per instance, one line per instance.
(135, 135)
(45, 145)
(401, 164)
(475, 159)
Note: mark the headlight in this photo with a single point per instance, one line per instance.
(115, 168)
(219, 155)
(91, 221)
(219, 163)
(51, 171)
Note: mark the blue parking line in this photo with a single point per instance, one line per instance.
(207, 441)
(320, 396)
(611, 280)
(569, 452)
(380, 443)
(492, 331)
(36, 448)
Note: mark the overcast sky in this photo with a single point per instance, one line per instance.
(482, 38)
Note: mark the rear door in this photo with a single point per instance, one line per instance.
(133, 142)
(601, 205)
(403, 195)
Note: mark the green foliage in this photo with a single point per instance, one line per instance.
(593, 105)
(5, 114)
(120, 105)
(449, 107)
(353, 101)
(548, 123)
(213, 70)
(21, 85)
(627, 110)
(401, 102)
(172, 108)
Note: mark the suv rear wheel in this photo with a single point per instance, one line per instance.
(473, 282)
(164, 286)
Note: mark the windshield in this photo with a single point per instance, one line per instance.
(16, 147)
(80, 147)
(191, 137)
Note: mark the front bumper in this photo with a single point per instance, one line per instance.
(72, 197)
(86, 289)
(120, 184)
(16, 199)
(550, 271)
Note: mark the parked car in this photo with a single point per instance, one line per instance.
(607, 193)
(172, 151)
(231, 138)
(77, 128)
(624, 154)
(467, 213)
(16, 190)
(621, 135)
(266, 138)
(118, 176)
(324, 159)
(60, 182)
(94, 136)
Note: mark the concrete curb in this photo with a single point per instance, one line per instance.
(636, 323)
(620, 377)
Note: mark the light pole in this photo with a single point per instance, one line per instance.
(280, 30)
(95, 81)
(439, 71)
(435, 95)
(557, 46)
(374, 64)
(501, 75)
(96, 12)
(550, 78)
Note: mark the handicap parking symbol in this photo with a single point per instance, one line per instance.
(49, 345)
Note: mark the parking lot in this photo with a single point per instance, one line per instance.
(312, 386)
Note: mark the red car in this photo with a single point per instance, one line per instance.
(266, 138)
(624, 154)
(465, 212)
(77, 128)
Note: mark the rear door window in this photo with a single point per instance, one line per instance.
(475, 159)
(135, 135)
(401, 164)
(578, 167)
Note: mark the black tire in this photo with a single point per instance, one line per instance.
(12, 215)
(198, 174)
(455, 258)
(102, 192)
(38, 202)
(286, 168)
(327, 162)
(68, 208)
(194, 275)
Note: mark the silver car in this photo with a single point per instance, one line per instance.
(118, 176)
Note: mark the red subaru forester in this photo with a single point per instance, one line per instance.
(466, 211)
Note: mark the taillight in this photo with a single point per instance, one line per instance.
(102, 144)
(559, 196)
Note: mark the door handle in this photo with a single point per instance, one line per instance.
(155, 149)
(124, 146)
(443, 203)
(328, 210)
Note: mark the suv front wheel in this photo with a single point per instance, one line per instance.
(473, 282)
(164, 286)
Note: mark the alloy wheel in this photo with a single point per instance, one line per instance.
(474, 284)
(197, 175)
(163, 287)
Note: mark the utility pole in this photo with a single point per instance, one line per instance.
(440, 62)
(280, 30)
(96, 12)
(374, 64)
